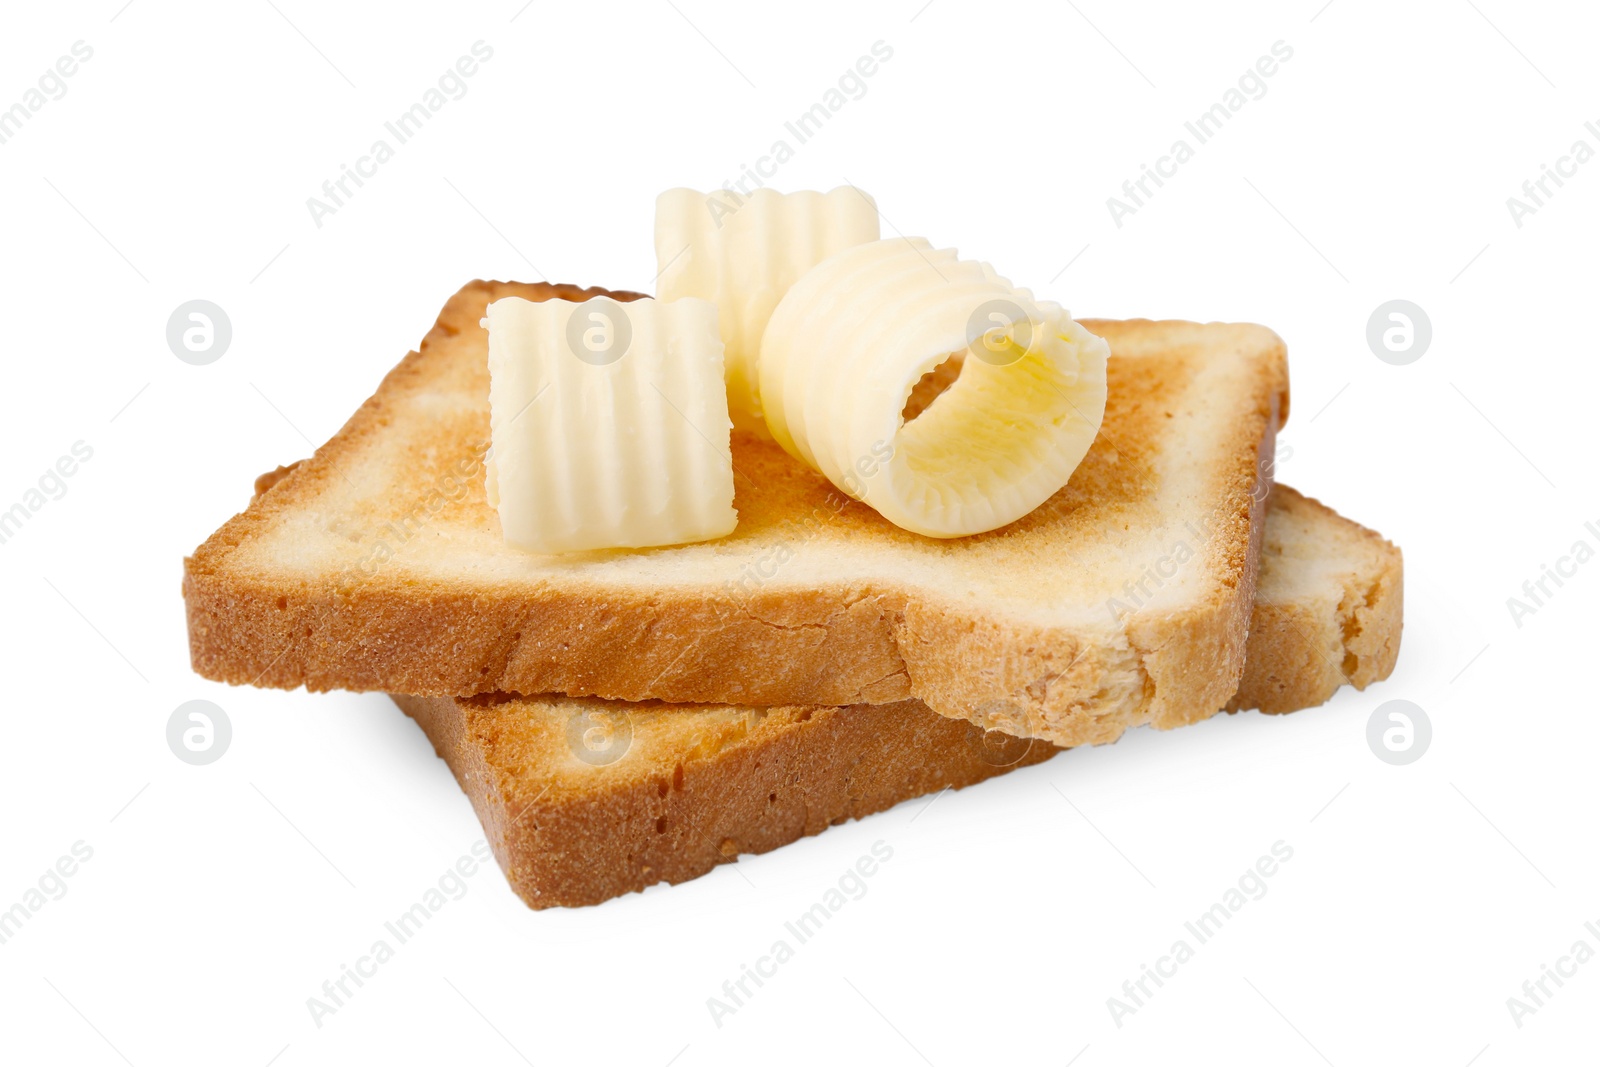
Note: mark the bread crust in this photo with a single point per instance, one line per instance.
(766, 781)
(840, 640)
(690, 794)
(1309, 637)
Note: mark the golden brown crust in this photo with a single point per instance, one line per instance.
(867, 613)
(583, 834)
(273, 477)
(693, 787)
(1330, 610)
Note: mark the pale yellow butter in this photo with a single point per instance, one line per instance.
(851, 340)
(609, 424)
(743, 252)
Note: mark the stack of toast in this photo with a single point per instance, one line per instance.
(620, 718)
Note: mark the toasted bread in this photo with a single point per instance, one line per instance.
(670, 792)
(378, 564)
(1317, 567)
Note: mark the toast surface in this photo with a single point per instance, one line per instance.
(583, 800)
(378, 564)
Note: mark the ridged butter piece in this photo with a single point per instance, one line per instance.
(849, 343)
(743, 252)
(609, 424)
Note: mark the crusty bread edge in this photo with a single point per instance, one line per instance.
(810, 768)
(1299, 658)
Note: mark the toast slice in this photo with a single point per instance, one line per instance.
(671, 792)
(1317, 567)
(378, 564)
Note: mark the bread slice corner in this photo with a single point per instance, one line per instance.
(1328, 611)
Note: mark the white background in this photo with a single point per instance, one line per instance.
(1377, 166)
